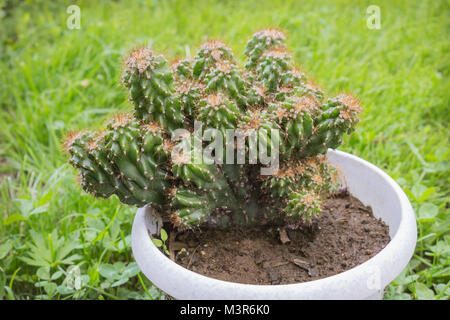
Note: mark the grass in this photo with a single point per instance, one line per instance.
(58, 242)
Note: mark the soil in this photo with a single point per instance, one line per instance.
(344, 235)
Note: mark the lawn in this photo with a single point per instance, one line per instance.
(58, 242)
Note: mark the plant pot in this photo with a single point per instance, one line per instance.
(366, 182)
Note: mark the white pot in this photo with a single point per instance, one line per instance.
(366, 281)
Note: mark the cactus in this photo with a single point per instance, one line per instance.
(136, 158)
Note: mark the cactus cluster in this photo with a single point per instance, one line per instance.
(135, 157)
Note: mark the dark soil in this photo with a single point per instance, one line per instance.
(345, 234)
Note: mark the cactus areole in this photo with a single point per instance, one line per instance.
(141, 157)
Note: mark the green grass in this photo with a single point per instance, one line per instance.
(59, 242)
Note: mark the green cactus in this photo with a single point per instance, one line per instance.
(262, 42)
(217, 111)
(150, 83)
(137, 158)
